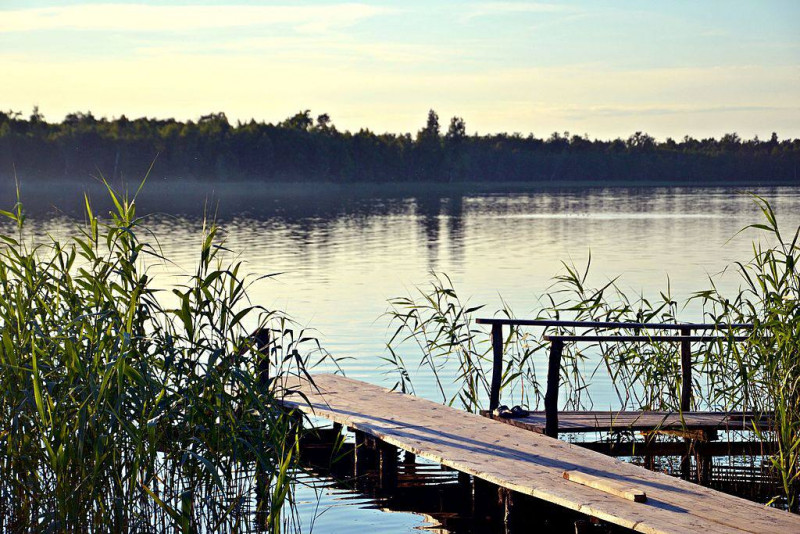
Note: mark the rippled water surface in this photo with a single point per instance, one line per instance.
(343, 253)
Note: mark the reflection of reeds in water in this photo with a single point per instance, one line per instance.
(120, 414)
(761, 374)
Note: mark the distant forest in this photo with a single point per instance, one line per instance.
(302, 148)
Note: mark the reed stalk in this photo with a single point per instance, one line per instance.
(760, 375)
(121, 413)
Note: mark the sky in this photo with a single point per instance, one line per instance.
(602, 68)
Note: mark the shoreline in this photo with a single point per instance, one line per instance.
(35, 185)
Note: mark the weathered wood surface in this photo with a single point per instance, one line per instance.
(644, 339)
(611, 325)
(531, 463)
(607, 421)
(609, 486)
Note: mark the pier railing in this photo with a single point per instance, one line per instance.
(685, 338)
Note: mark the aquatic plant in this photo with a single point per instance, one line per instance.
(767, 368)
(761, 374)
(127, 409)
(452, 345)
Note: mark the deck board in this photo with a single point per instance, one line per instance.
(606, 421)
(531, 463)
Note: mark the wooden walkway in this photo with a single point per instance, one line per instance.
(532, 463)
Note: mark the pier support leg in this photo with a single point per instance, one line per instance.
(467, 507)
(704, 463)
(409, 463)
(686, 461)
(364, 453)
(387, 466)
(506, 499)
(484, 499)
(650, 462)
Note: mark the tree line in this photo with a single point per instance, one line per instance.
(304, 148)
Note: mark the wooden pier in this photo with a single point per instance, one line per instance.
(529, 463)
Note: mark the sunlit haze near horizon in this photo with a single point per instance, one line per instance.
(605, 69)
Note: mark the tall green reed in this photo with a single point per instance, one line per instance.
(457, 351)
(765, 371)
(761, 374)
(120, 412)
(454, 348)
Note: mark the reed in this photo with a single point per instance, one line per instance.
(761, 374)
(452, 347)
(119, 412)
(766, 370)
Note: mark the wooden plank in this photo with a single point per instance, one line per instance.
(675, 448)
(612, 325)
(644, 339)
(638, 421)
(530, 463)
(609, 486)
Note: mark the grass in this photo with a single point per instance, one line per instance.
(121, 413)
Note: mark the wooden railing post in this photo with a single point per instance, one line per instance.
(686, 371)
(686, 396)
(497, 365)
(551, 395)
(261, 345)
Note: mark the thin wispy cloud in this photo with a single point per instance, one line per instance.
(139, 18)
(640, 111)
(309, 49)
(504, 66)
(490, 9)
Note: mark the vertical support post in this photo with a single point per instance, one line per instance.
(261, 339)
(467, 500)
(704, 463)
(505, 498)
(497, 365)
(649, 462)
(484, 499)
(686, 397)
(551, 395)
(387, 466)
(261, 346)
(686, 459)
(364, 453)
(686, 372)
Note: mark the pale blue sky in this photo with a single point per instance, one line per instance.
(602, 68)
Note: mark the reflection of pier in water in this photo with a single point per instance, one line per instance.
(443, 497)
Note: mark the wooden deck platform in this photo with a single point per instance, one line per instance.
(609, 421)
(532, 463)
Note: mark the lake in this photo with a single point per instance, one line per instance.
(342, 252)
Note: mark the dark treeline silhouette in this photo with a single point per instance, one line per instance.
(304, 149)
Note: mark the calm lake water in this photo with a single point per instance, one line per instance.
(343, 252)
